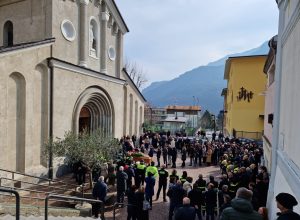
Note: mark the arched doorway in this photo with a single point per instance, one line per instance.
(94, 111)
(84, 120)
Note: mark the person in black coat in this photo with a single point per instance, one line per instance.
(186, 212)
(210, 201)
(140, 196)
(99, 193)
(196, 197)
(212, 180)
(162, 182)
(130, 173)
(121, 184)
(183, 156)
(132, 203)
(285, 203)
(158, 154)
(165, 155)
(176, 194)
(174, 157)
(226, 203)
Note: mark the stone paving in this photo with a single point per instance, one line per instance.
(160, 209)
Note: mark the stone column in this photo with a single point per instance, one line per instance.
(103, 46)
(119, 53)
(84, 31)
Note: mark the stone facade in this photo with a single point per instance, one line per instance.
(269, 70)
(61, 65)
(285, 173)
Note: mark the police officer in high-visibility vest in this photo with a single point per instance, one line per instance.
(233, 186)
(202, 187)
(162, 182)
(152, 169)
(140, 173)
(201, 183)
(183, 177)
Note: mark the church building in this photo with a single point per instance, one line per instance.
(61, 69)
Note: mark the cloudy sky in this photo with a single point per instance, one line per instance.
(170, 37)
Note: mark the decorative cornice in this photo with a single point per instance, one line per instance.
(111, 5)
(84, 2)
(98, 3)
(26, 46)
(110, 22)
(105, 16)
(115, 29)
(56, 63)
(132, 84)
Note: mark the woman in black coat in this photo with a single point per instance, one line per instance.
(132, 203)
(140, 196)
(183, 156)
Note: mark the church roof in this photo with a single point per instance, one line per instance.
(184, 108)
(136, 88)
(26, 45)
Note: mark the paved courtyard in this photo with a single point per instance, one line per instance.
(160, 209)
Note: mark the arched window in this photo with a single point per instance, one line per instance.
(94, 38)
(8, 34)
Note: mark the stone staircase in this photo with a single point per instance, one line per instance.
(32, 199)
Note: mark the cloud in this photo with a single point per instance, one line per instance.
(169, 37)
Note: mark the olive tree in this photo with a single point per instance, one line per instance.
(92, 148)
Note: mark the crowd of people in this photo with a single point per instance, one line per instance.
(241, 192)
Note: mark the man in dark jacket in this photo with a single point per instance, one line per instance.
(241, 207)
(186, 212)
(196, 197)
(99, 193)
(121, 184)
(210, 201)
(176, 194)
(285, 203)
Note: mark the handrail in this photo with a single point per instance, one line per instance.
(17, 200)
(74, 199)
(36, 177)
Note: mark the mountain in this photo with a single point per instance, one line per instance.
(201, 86)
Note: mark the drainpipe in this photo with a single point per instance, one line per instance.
(50, 66)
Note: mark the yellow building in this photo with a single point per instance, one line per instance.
(244, 98)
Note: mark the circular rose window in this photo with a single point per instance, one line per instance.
(68, 30)
(111, 53)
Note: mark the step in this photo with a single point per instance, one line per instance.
(10, 217)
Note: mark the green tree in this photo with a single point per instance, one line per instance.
(206, 121)
(93, 148)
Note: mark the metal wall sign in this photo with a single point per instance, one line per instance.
(245, 95)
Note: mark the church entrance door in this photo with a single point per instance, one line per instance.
(84, 120)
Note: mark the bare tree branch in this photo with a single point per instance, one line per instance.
(136, 73)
